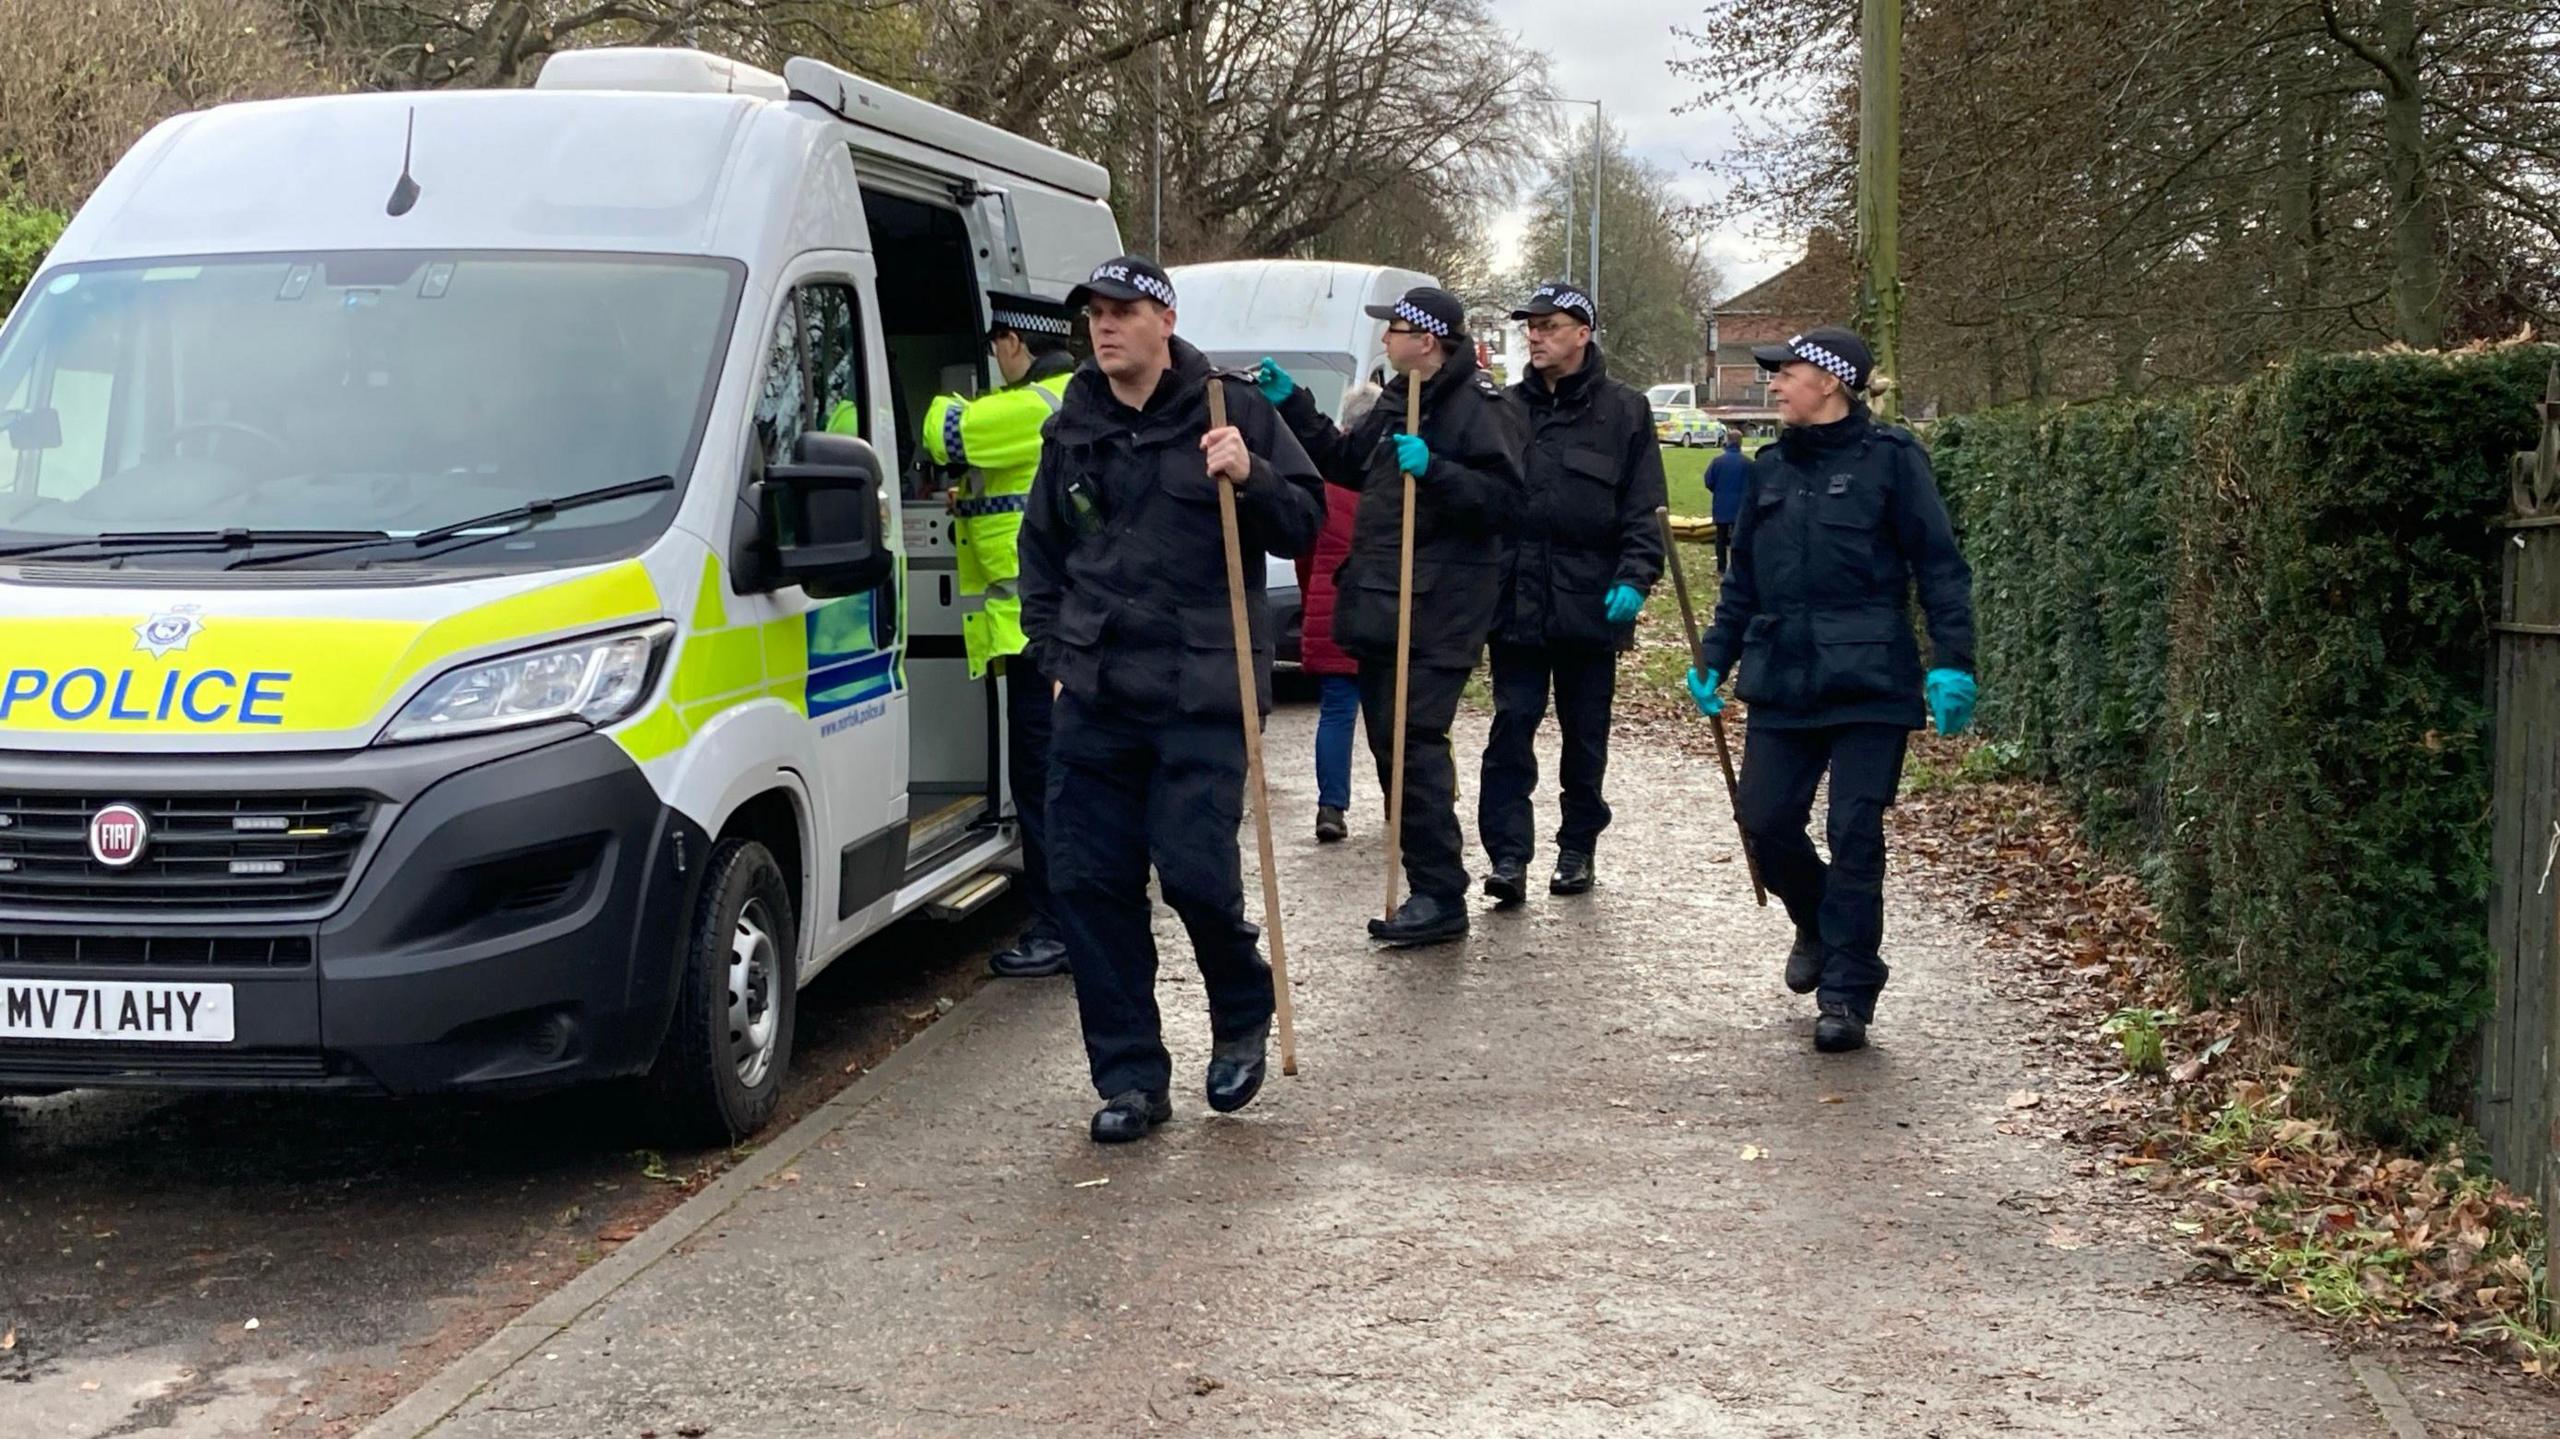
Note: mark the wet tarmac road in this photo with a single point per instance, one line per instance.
(208, 1265)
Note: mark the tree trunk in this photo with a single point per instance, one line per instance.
(2417, 282)
(1880, 189)
(2294, 203)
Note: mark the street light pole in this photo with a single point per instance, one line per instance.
(1599, 131)
(1599, 161)
(1568, 217)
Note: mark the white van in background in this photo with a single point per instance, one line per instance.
(1310, 316)
(473, 611)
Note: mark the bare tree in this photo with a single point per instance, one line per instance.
(1657, 284)
(1286, 126)
(79, 84)
(2116, 196)
(426, 44)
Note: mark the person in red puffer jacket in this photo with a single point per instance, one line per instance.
(1337, 672)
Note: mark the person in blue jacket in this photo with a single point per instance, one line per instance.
(1728, 481)
(1842, 523)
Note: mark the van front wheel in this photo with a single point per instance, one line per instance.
(718, 1076)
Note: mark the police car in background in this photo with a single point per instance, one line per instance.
(442, 645)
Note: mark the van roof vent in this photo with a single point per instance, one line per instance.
(670, 71)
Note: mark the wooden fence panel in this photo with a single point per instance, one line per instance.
(2520, 1070)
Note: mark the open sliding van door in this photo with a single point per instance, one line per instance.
(955, 208)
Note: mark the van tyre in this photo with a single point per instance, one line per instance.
(718, 1075)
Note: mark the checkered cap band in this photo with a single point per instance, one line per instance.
(1565, 299)
(1145, 284)
(1814, 354)
(1421, 319)
(1023, 322)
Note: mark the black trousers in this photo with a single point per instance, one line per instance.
(1842, 902)
(1724, 548)
(1585, 681)
(1125, 792)
(1027, 723)
(1434, 850)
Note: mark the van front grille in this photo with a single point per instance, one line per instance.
(201, 852)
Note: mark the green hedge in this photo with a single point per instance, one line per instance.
(2247, 631)
(25, 235)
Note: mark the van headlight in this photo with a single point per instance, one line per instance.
(599, 680)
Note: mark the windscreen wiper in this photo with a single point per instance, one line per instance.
(179, 542)
(499, 525)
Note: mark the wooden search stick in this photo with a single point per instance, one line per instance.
(1404, 655)
(1698, 659)
(1249, 701)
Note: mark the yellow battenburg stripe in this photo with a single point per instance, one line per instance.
(718, 668)
(273, 674)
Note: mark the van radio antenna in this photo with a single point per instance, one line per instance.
(404, 195)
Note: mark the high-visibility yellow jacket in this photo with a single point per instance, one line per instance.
(997, 437)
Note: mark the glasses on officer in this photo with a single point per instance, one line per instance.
(1553, 324)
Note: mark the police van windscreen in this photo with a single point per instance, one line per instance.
(357, 393)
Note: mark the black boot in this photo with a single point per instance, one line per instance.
(1131, 1116)
(1037, 957)
(1839, 1030)
(1804, 964)
(1508, 884)
(1236, 1067)
(1330, 827)
(1573, 874)
(1424, 919)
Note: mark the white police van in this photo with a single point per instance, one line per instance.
(466, 618)
(1311, 317)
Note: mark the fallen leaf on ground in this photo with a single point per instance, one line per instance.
(9, 1340)
(2025, 1099)
(1835, 1099)
(1754, 1151)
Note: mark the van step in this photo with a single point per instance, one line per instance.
(946, 824)
(968, 896)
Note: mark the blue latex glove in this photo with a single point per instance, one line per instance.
(1274, 382)
(1704, 691)
(1413, 456)
(1625, 603)
(1951, 700)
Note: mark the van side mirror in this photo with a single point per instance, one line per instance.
(823, 517)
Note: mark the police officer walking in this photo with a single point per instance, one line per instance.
(1728, 484)
(1842, 519)
(1466, 463)
(1576, 565)
(996, 440)
(1124, 590)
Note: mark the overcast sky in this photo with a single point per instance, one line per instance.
(1617, 51)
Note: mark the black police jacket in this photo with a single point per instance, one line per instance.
(1124, 578)
(1841, 520)
(1476, 435)
(1595, 483)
